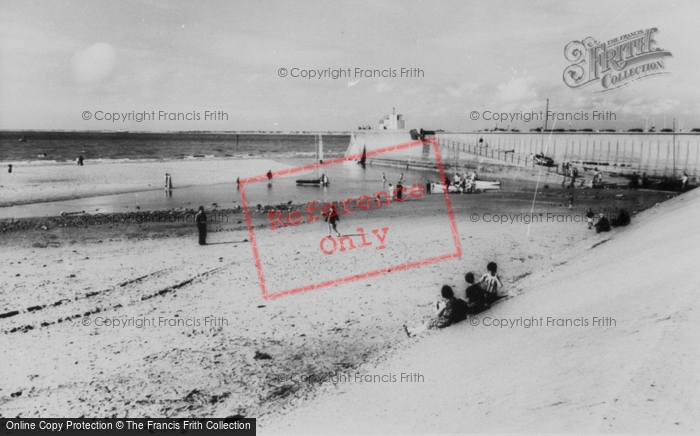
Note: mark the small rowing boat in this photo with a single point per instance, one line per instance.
(479, 185)
(312, 182)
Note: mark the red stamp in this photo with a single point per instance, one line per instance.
(295, 252)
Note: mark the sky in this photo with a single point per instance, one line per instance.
(70, 65)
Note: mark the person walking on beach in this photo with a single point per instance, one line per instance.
(383, 179)
(269, 177)
(332, 218)
(201, 220)
(238, 183)
(9, 168)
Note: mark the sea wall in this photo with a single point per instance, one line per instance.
(662, 154)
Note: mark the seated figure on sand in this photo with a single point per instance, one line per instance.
(478, 299)
(603, 225)
(623, 219)
(449, 310)
(492, 281)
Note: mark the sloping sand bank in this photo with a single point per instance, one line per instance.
(634, 371)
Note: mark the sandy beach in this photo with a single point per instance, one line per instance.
(195, 336)
(265, 217)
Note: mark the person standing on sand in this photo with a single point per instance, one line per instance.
(269, 177)
(684, 181)
(634, 181)
(9, 168)
(399, 192)
(391, 191)
(383, 179)
(201, 220)
(589, 218)
(574, 173)
(332, 218)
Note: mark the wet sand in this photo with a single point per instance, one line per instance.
(43, 183)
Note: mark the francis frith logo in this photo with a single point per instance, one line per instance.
(615, 63)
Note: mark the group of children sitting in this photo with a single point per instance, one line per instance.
(603, 224)
(478, 297)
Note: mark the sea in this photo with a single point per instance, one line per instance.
(54, 147)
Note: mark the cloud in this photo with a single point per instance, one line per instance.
(94, 64)
(517, 90)
(383, 87)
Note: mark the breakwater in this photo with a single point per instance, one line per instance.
(657, 154)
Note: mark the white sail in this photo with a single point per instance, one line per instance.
(320, 148)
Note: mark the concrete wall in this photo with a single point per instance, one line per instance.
(619, 152)
(610, 152)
